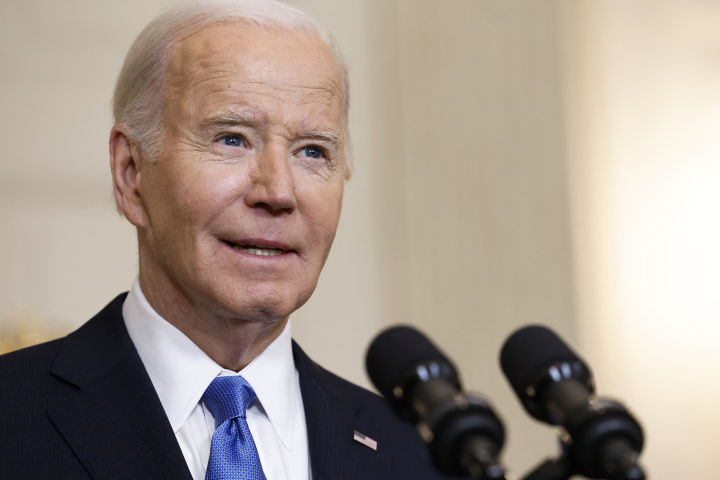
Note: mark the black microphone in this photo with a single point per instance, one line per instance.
(599, 436)
(422, 385)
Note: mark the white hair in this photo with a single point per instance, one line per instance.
(138, 98)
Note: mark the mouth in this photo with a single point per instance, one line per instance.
(260, 250)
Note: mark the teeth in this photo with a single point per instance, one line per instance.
(263, 252)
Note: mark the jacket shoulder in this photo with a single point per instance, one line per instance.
(27, 365)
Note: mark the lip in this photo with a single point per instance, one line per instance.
(288, 252)
(260, 242)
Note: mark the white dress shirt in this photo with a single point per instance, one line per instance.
(180, 372)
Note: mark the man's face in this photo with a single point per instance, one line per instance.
(242, 207)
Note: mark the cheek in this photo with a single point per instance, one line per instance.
(205, 193)
(325, 205)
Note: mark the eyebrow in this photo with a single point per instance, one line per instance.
(227, 118)
(236, 118)
(327, 136)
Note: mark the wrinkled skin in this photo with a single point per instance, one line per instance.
(252, 156)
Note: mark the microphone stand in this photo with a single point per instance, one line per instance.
(623, 467)
(477, 456)
(552, 469)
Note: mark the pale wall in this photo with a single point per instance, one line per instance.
(642, 82)
(471, 186)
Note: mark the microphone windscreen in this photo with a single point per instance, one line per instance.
(530, 350)
(394, 352)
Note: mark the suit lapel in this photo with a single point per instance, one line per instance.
(113, 419)
(331, 415)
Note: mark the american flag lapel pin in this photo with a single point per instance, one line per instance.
(367, 441)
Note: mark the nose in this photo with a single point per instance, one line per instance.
(272, 182)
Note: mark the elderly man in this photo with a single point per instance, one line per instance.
(229, 156)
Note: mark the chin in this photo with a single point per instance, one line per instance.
(261, 303)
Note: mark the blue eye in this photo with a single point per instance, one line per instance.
(233, 141)
(313, 152)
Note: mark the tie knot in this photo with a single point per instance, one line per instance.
(228, 397)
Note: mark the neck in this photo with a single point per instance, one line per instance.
(230, 341)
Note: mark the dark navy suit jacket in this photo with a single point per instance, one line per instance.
(83, 407)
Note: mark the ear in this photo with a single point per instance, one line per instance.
(125, 166)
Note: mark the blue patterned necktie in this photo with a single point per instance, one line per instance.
(233, 455)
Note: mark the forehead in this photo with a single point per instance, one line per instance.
(229, 64)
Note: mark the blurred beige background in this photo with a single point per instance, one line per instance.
(519, 161)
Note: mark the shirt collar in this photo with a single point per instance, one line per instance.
(181, 372)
